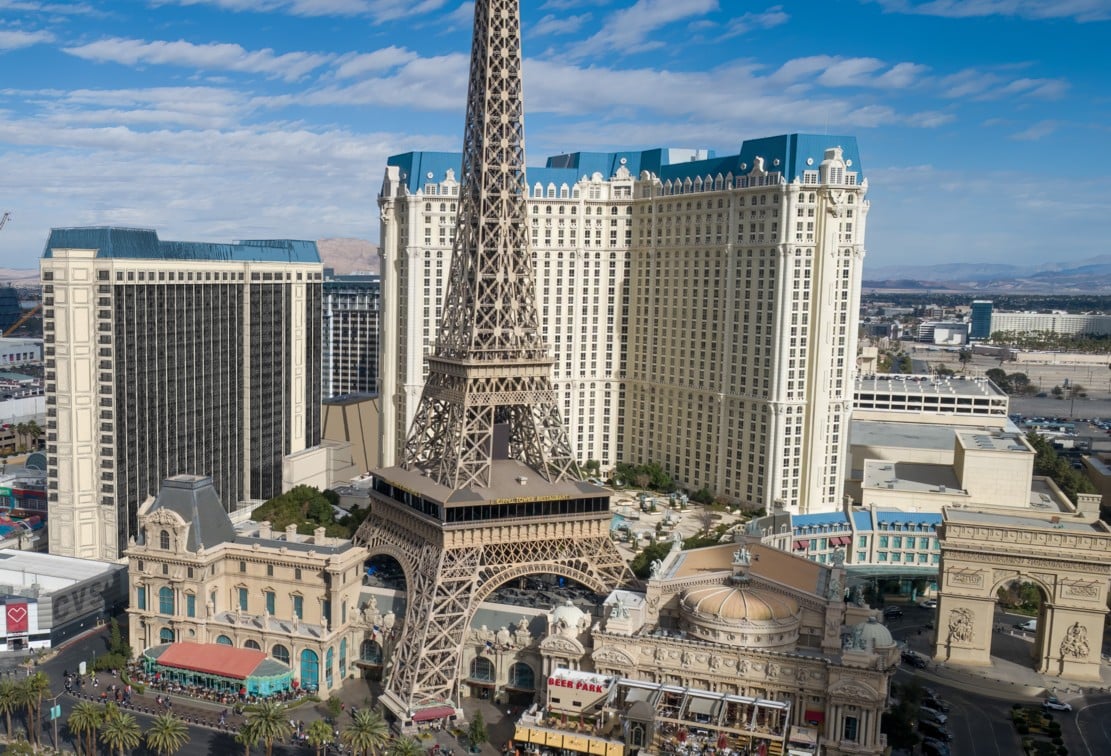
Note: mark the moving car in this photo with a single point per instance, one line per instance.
(929, 604)
(915, 660)
(1028, 625)
(892, 612)
(1055, 704)
(937, 704)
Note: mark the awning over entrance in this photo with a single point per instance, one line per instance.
(433, 712)
(801, 545)
(817, 717)
(219, 667)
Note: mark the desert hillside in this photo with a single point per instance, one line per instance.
(349, 255)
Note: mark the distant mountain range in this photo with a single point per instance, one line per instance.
(1090, 276)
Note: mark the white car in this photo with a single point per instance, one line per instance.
(1056, 704)
(929, 604)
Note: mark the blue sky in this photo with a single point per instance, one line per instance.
(983, 125)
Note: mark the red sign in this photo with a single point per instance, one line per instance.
(16, 616)
(558, 682)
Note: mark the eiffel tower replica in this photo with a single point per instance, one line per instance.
(488, 489)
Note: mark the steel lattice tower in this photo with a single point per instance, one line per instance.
(488, 489)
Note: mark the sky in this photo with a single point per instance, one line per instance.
(984, 126)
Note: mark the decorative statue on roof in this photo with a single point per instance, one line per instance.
(656, 569)
(838, 556)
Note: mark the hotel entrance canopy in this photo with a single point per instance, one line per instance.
(219, 667)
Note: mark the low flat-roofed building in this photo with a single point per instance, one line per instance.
(48, 599)
(960, 399)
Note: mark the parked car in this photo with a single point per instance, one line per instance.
(929, 604)
(1028, 625)
(892, 612)
(932, 747)
(937, 704)
(926, 714)
(1055, 704)
(934, 732)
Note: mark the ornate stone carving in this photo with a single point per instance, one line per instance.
(966, 577)
(961, 625)
(1075, 643)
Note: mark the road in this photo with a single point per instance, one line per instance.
(979, 716)
(202, 741)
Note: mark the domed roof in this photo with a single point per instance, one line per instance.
(873, 634)
(571, 615)
(737, 602)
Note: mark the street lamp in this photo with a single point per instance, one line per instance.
(55, 715)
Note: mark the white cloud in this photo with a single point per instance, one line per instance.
(748, 22)
(56, 9)
(207, 57)
(552, 24)
(1036, 131)
(353, 65)
(977, 84)
(1078, 10)
(378, 10)
(14, 40)
(627, 30)
(834, 71)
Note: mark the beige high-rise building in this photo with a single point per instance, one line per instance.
(702, 310)
(170, 357)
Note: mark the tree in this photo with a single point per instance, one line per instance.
(247, 737)
(9, 702)
(334, 706)
(367, 732)
(25, 699)
(84, 721)
(965, 356)
(166, 735)
(119, 731)
(477, 731)
(405, 747)
(268, 719)
(40, 686)
(319, 735)
(35, 431)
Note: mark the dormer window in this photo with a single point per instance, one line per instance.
(164, 540)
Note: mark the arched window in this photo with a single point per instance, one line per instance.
(252, 645)
(522, 677)
(310, 670)
(224, 640)
(165, 635)
(164, 540)
(166, 600)
(281, 653)
(343, 658)
(482, 669)
(371, 651)
(329, 659)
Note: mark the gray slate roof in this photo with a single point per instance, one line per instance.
(194, 498)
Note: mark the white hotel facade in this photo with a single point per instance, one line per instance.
(701, 310)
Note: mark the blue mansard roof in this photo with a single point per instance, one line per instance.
(786, 154)
(144, 244)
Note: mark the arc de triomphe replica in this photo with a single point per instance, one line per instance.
(1067, 557)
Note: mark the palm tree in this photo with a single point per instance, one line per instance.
(166, 735)
(269, 722)
(21, 435)
(9, 702)
(38, 684)
(368, 732)
(319, 735)
(247, 737)
(85, 720)
(405, 747)
(35, 431)
(25, 699)
(119, 731)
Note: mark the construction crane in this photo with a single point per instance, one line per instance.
(38, 305)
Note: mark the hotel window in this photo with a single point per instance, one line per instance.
(190, 605)
(849, 731)
(270, 602)
(298, 607)
(242, 598)
(141, 598)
